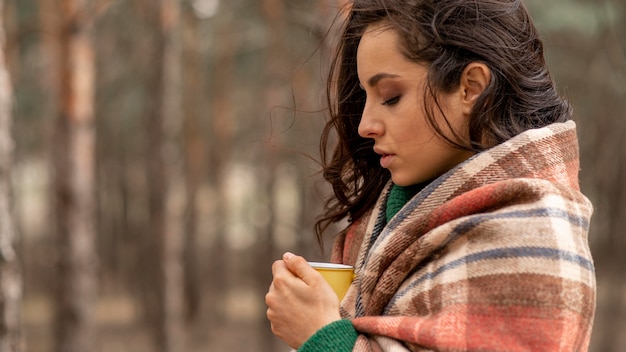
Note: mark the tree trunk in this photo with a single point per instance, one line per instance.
(10, 276)
(223, 118)
(164, 241)
(194, 160)
(74, 183)
(276, 64)
(172, 241)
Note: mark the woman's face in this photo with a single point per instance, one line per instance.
(394, 114)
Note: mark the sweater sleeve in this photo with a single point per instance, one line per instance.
(338, 336)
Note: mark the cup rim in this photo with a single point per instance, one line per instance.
(330, 265)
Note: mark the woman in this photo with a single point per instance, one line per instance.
(457, 166)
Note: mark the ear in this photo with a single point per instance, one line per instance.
(474, 80)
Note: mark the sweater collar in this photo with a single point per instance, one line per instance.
(399, 196)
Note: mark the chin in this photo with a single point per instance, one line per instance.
(402, 182)
(405, 181)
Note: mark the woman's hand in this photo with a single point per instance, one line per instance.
(299, 301)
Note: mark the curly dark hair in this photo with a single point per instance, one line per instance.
(446, 35)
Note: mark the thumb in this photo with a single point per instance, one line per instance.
(299, 267)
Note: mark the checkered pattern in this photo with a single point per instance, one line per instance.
(492, 256)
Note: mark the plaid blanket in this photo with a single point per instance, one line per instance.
(492, 256)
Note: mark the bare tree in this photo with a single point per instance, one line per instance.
(164, 165)
(194, 151)
(172, 234)
(74, 182)
(10, 276)
(220, 146)
(276, 63)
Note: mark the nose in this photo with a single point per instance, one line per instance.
(370, 125)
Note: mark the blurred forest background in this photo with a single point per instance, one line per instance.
(164, 155)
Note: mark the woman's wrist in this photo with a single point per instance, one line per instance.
(338, 336)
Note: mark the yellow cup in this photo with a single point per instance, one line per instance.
(339, 276)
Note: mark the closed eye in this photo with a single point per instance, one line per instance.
(391, 101)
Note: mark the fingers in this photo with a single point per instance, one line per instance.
(300, 268)
(288, 255)
(292, 272)
(299, 301)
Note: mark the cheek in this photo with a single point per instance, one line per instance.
(415, 130)
(415, 115)
(456, 120)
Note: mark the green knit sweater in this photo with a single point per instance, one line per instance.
(340, 335)
(399, 196)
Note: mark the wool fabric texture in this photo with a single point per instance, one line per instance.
(491, 256)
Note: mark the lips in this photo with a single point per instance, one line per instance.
(385, 160)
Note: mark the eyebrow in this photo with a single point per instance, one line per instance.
(372, 81)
